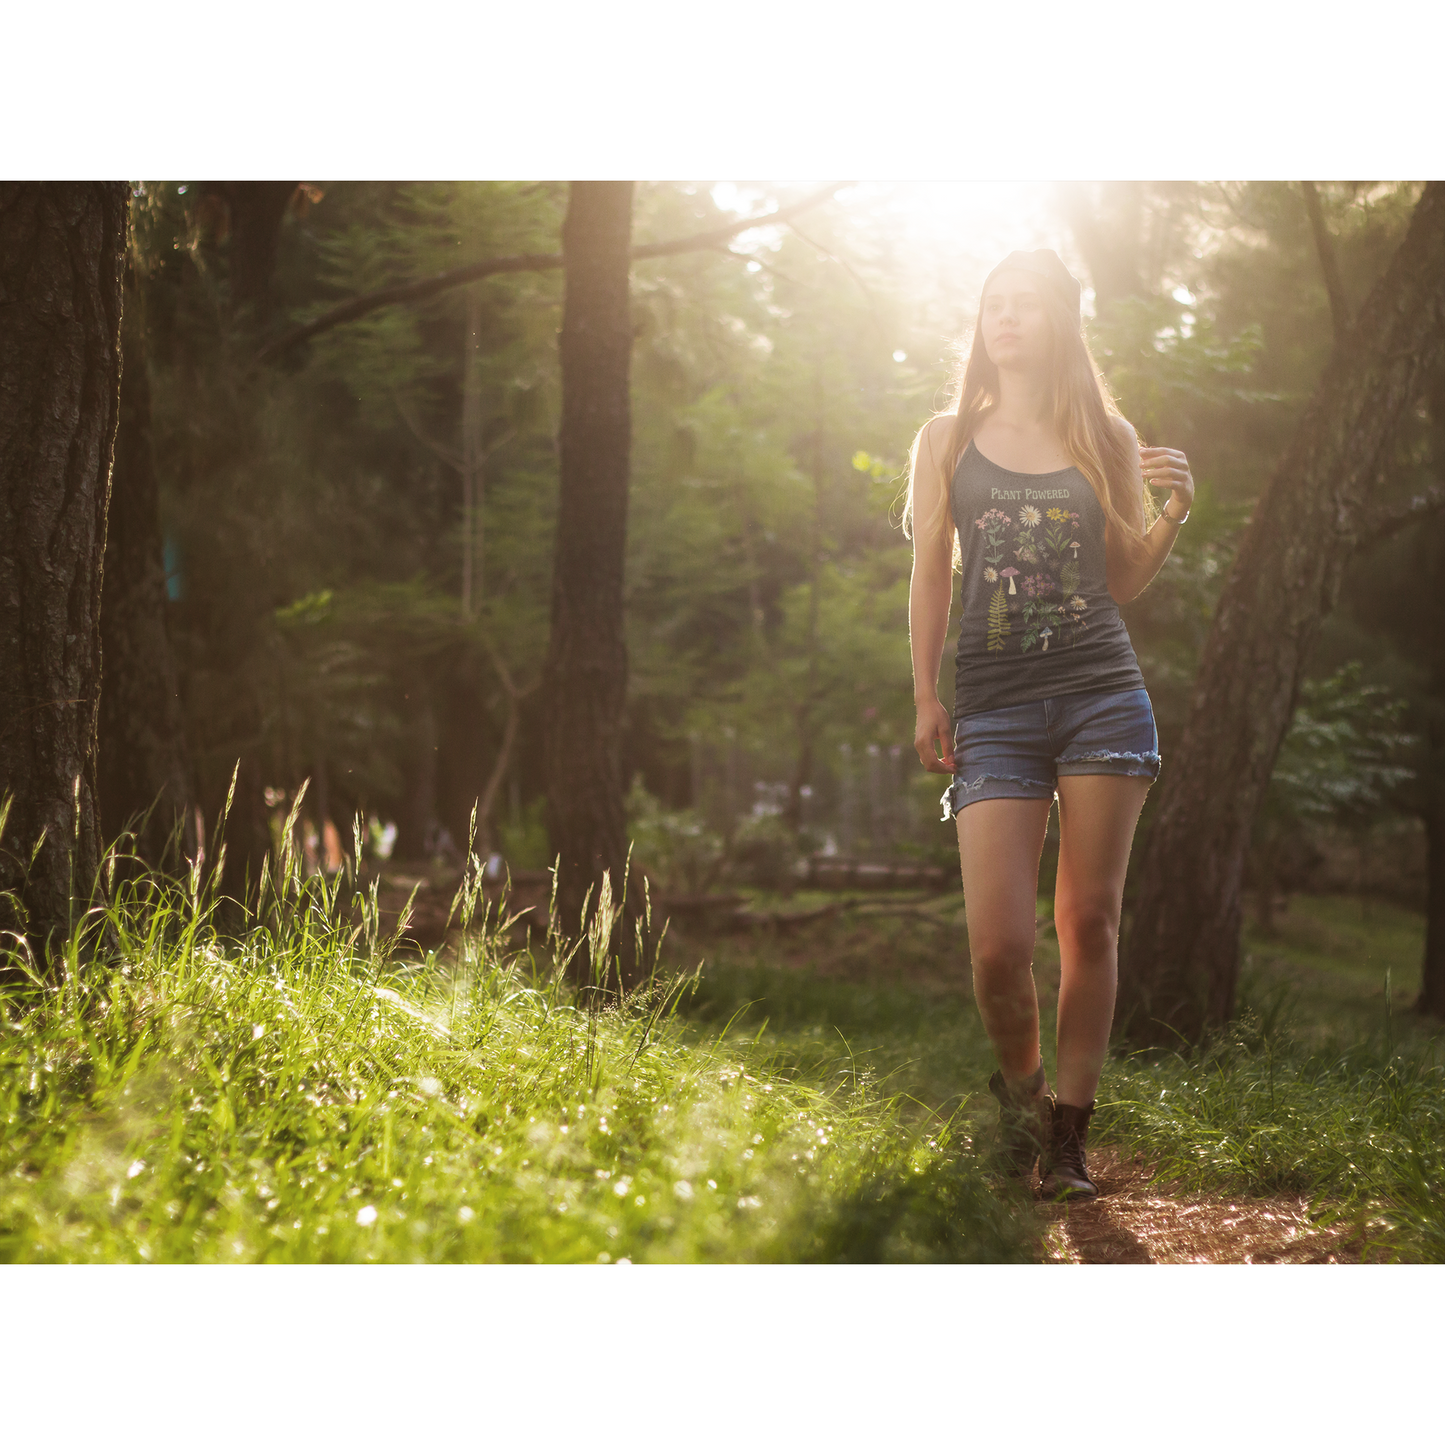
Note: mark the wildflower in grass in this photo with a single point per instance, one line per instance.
(366, 1214)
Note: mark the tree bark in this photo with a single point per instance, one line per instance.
(1429, 557)
(1181, 961)
(141, 764)
(1431, 998)
(62, 249)
(1329, 263)
(586, 671)
(1107, 227)
(255, 210)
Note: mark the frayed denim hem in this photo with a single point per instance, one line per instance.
(950, 811)
(1148, 763)
(1138, 765)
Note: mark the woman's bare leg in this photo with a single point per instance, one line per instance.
(999, 844)
(1097, 817)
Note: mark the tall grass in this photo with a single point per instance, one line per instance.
(302, 1092)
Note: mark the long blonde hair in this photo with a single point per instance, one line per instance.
(1083, 418)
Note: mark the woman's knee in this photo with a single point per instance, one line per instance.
(1088, 925)
(1001, 961)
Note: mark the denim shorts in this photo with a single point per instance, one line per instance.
(1020, 752)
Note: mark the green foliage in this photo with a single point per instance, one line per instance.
(523, 841)
(675, 845)
(763, 851)
(774, 394)
(1339, 759)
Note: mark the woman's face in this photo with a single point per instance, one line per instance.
(1014, 322)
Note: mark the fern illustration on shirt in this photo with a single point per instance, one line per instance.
(1052, 607)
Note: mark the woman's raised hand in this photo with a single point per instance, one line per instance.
(1167, 467)
(935, 725)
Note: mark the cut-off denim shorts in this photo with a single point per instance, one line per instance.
(1022, 751)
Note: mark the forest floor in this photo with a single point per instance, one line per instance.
(1332, 980)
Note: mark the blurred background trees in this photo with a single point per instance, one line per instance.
(357, 531)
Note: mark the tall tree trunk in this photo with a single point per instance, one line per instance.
(586, 672)
(803, 709)
(1106, 220)
(62, 251)
(472, 580)
(141, 764)
(255, 210)
(416, 824)
(1429, 561)
(1181, 960)
(1431, 999)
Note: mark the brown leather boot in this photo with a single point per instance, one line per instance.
(1062, 1171)
(1024, 1115)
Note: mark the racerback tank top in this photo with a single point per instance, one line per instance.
(1036, 618)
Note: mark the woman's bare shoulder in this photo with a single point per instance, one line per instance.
(934, 435)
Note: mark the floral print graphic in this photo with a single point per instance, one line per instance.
(1052, 608)
(994, 524)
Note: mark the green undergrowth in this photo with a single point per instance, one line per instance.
(300, 1094)
(1358, 1130)
(1326, 1086)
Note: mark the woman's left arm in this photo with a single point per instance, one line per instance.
(1161, 467)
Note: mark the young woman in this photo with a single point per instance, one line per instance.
(1034, 487)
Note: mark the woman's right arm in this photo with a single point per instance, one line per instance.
(930, 598)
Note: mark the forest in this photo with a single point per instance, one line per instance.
(457, 795)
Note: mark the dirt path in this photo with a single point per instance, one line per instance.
(1135, 1221)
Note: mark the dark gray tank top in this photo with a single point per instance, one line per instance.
(1036, 617)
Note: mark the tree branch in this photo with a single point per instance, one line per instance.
(425, 289)
(1329, 264)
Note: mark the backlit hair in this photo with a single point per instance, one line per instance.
(1083, 417)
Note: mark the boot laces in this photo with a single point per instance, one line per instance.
(1070, 1154)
